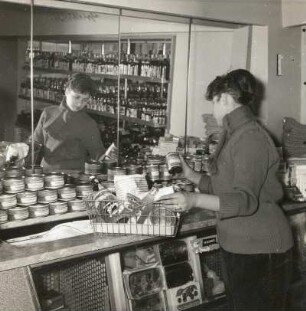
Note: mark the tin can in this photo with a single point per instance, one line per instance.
(54, 181)
(132, 169)
(197, 160)
(112, 172)
(38, 210)
(13, 185)
(84, 178)
(13, 172)
(35, 169)
(66, 193)
(18, 213)
(189, 161)
(174, 163)
(205, 163)
(107, 164)
(26, 198)
(164, 173)
(8, 201)
(83, 190)
(76, 205)
(2, 173)
(34, 182)
(93, 167)
(46, 196)
(3, 216)
(58, 208)
(153, 172)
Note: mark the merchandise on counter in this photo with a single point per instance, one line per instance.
(76, 205)
(34, 182)
(83, 190)
(58, 207)
(54, 180)
(93, 167)
(111, 172)
(3, 216)
(18, 213)
(26, 198)
(33, 169)
(13, 185)
(46, 196)
(39, 210)
(8, 201)
(67, 193)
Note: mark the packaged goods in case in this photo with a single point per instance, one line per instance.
(26, 198)
(13, 185)
(39, 210)
(67, 193)
(174, 163)
(54, 181)
(34, 182)
(8, 201)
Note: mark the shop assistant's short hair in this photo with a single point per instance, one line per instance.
(82, 83)
(240, 84)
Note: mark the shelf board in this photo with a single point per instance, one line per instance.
(99, 75)
(125, 118)
(42, 220)
(104, 114)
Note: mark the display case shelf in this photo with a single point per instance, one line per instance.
(98, 75)
(100, 113)
(42, 220)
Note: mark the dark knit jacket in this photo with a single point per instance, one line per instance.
(69, 138)
(250, 221)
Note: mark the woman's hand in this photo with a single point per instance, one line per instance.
(178, 202)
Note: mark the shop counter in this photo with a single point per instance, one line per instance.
(22, 269)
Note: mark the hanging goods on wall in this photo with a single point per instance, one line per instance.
(294, 138)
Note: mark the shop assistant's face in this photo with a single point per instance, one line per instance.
(222, 105)
(219, 108)
(76, 101)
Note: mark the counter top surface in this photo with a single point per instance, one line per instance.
(63, 249)
(49, 252)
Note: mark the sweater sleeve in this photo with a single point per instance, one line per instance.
(250, 156)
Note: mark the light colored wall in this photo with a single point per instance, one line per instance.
(210, 56)
(293, 12)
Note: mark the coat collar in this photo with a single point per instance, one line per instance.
(236, 118)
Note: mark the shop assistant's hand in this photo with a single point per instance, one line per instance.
(178, 201)
(17, 151)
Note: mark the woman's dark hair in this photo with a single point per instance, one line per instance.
(240, 84)
(82, 83)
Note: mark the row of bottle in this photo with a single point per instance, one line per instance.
(49, 88)
(152, 111)
(152, 65)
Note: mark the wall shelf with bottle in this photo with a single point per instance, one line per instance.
(144, 71)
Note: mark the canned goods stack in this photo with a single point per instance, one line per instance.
(29, 193)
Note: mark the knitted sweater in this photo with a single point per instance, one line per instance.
(69, 138)
(250, 221)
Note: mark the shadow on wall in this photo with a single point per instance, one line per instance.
(260, 97)
(7, 114)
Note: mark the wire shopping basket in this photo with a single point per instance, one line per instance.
(120, 218)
